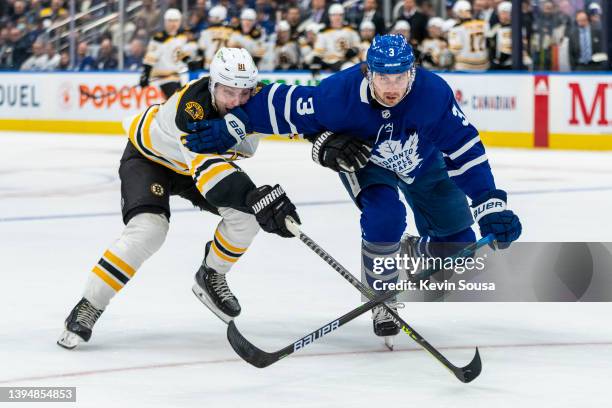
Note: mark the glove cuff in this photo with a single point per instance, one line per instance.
(317, 144)
(491, 202)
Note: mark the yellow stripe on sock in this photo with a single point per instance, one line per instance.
(109, 281)
(125, 268)
(228, 246)
(221, 254)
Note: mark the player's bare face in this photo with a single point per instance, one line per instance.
(247, 25)
(336, 20)
(390, 88)
(228, 98)
(172, 26)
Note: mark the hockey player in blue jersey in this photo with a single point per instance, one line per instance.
(384, 126)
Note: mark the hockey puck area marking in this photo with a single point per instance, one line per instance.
(305, 355)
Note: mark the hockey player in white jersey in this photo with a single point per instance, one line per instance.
(286, 51)
(215, 36)
(500, 38)
(156, 165)
(250, 35)
(434, 49)
(168, 54)
(337, 46)
(367, 30)
(467, 40)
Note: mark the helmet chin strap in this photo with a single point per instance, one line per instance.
(370, 77)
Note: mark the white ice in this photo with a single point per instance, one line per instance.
(157, 346)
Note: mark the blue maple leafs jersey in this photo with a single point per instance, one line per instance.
(407, 138)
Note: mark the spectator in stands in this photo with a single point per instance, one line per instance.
(318, 13)
(53, 58)
(38, 60)
(16, 51)
(402, 27)
(586, 45)
(64, 62)
(371, 13)
(134, 56)
(418, 21)
(499, 39)
(265, 16)
(197, 17)
(84, 61)
(151, 14)
(106, 60)
(338, 45)
(483, 10)
(307, 43)
(294, 18)
(19, 12)
(54, 12)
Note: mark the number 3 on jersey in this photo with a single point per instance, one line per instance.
(460, 115)
(305, 108)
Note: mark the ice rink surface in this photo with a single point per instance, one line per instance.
(157, 346)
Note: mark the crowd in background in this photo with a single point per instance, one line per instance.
(557, 35)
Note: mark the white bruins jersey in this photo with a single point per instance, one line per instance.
(157, 134)
(435, 53)
(165, 53)
(212, 39)
(363, 49)
(332, 43)
(254, 42)
(306, 50)
(286, 56)
(501, 44)
(467, 41)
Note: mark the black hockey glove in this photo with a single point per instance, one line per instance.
(271, 206)
(350, 53)
(340, 152)
(144, 77)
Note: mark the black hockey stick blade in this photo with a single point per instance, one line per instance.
(247, 351)
(471, 371)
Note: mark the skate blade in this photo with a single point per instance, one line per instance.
(69, 340)
(389, 342)
(201, 294)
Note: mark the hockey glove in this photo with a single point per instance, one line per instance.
(340, 152)
(144, 77)
(271, 206)
(217, 135)
(490, 213)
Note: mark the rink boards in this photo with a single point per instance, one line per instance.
(544, 110)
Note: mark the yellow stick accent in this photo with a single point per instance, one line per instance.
(221, 254)
(227, 245)
(109, 281)
(118, 262)
(207, 176)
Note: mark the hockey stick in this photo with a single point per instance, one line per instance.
(259, 358)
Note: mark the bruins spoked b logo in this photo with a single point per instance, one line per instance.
(157, 189)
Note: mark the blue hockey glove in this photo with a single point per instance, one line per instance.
(218, 135)
(490, 213)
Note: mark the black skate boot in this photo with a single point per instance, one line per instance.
(79, 324)
(383, 323)
(409, 246)
(212, 290)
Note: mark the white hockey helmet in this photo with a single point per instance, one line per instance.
(401, 25)
(314, 27)
(335, 9)
(367, 25)
(219, 13)
(505, 7)
(233, 67)
(283, 26)
(173, 14)
(461, 6)
(248, 14)
(436, 22)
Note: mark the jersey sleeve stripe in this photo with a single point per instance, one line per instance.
(468, 165)
(271, 110)
(288, 110)
(464, 148)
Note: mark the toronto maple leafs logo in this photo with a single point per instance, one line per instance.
(399, 156)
